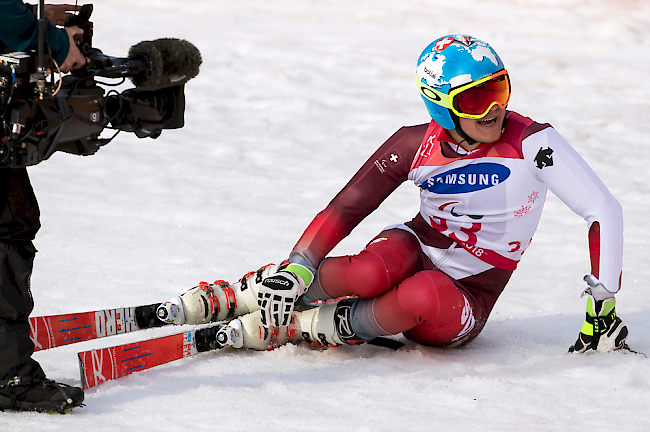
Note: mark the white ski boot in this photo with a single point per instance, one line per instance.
(247, 331)
(328, 325)
(231, 335)
(217, 301)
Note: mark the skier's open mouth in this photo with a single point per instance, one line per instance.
(487, 122)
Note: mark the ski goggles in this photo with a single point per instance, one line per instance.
(473, 100)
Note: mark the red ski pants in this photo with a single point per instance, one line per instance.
(411, 295)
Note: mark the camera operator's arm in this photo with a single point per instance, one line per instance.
(19, 31)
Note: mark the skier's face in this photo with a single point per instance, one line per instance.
(486, 129)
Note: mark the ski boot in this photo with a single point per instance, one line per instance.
(329, 324)
(326, 325)
(217, 301)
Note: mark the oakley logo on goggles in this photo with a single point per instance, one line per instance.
(473, 100)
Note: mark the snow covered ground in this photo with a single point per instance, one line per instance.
(292, 97)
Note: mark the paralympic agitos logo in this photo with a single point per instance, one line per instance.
(469, 178)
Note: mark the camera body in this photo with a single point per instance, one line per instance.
(39, 117)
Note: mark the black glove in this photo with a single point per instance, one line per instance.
(602, 330)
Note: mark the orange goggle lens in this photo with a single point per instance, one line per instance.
(476, 101)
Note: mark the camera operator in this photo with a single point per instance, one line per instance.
(23, 385)
(18, 31)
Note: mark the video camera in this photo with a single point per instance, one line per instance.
(40, 117)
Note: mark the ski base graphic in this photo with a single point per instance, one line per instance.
(105, 364)
(57, 330)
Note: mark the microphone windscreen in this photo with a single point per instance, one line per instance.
(173, 63)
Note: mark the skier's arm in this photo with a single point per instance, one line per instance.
(567, 175)
(382, 173)
(377, 178)
(555, 163)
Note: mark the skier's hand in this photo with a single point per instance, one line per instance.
(602, 330)
(279, 292)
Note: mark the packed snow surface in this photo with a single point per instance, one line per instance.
(292, 98)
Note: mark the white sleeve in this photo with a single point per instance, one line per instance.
(551, 160)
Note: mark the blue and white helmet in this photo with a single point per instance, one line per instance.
(452, 61)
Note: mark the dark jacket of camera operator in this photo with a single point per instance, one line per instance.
(19, 30)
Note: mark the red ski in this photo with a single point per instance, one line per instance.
(105, 364)
(57, 330)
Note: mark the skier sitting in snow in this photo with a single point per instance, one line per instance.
(482, 174)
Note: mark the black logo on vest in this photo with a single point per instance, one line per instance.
(544, 157)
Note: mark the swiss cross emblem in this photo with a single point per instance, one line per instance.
(444, 43)
(394, 157)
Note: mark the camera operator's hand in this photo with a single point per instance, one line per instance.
(75, 59)
(58, 14)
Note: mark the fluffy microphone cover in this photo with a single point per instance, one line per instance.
(173, 62)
